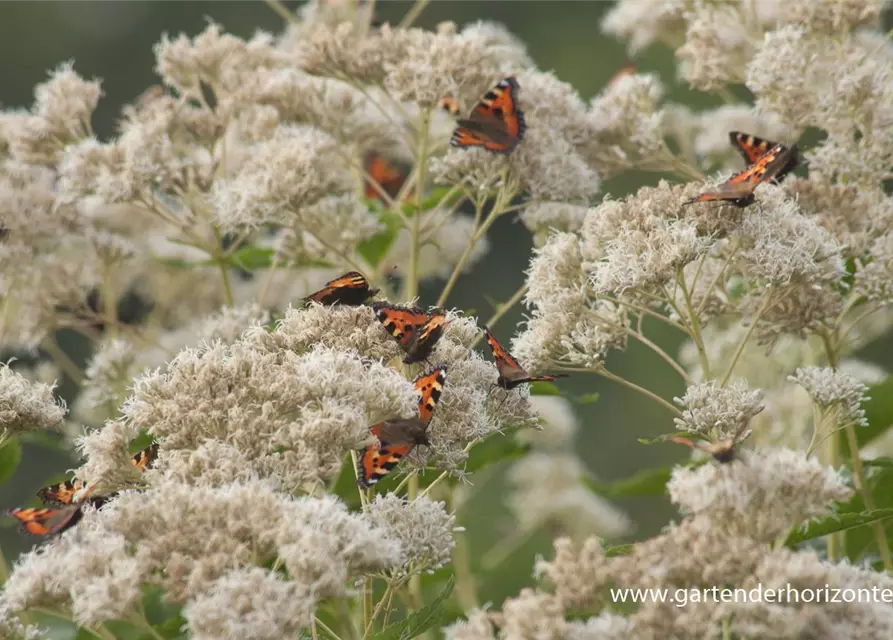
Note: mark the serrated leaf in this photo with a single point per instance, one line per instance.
(834, 523)
(375, 248)
(647, 483)
(496, 448)
(10, 457)
(420, 621)
(544, 389)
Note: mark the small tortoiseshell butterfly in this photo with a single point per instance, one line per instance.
(752, 149)
(350, 289)
(496, 123)
(389, 174)
(64, 492)
(416, 331)
(511, 374)
(396, 438)
(44, 521)
(739, 189)
(723, 452)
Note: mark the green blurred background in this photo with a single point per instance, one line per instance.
(113, 41)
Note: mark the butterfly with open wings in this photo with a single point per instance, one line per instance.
(511, 373)
(45, 521)
(350, 288)
(396, 438)
(772, 165)
(416, 331)
(63, 493)
(496, 123)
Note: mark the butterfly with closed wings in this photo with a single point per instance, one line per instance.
(723, 452)
(416, 331)
(350, 289)
(496, 123)
(396, 438)
(511, 373)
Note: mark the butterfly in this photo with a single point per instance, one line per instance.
(389, 174)
(396, 438)
(44, 521)
(751, 148)
(351, 289)
(738, 189)
(511, 374)
(496, 123)
(64, 492)
(416, 331)
(723, 452)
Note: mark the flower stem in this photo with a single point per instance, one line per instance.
(412, 282)
(282, 11)
(632, 385)
(880, 535)
(413, 13)
(62, 360)
(753, 325)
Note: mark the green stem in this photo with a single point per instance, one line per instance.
(412, 282)
(880, 535)
(62, 360)
(753, 325)
(632, 385)
(378, 607)
(368, 616)
(322, 625)
(413, 13)
(695, 325)
(476, 235)
(282, 11)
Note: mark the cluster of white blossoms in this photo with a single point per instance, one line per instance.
(183, 249)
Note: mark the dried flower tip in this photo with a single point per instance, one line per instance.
(830, 388)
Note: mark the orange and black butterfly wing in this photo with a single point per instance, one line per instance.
(350, 289)
(389, 175)
(511, 373)
(396, 438)
(426, 337)
(740, 187)
(496, 123)
(450, 105)
(45, 521)
(144, 459)
(62, 493)
(403, 323)
(430, 388)
(750, 146)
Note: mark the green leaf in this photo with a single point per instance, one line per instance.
(10, 456)
(834, 523)
(647, 483)
(252, 258)
(618, 550)
(494, 449)
(420, 621)
(878, 411)
(886, 463)
(375, 248)
(587, 398)
(544, 389)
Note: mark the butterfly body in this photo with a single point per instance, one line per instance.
(417, 332)
(496, 123)
(350, 289)
(739, 189)
(396, 438)
(511, 373)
